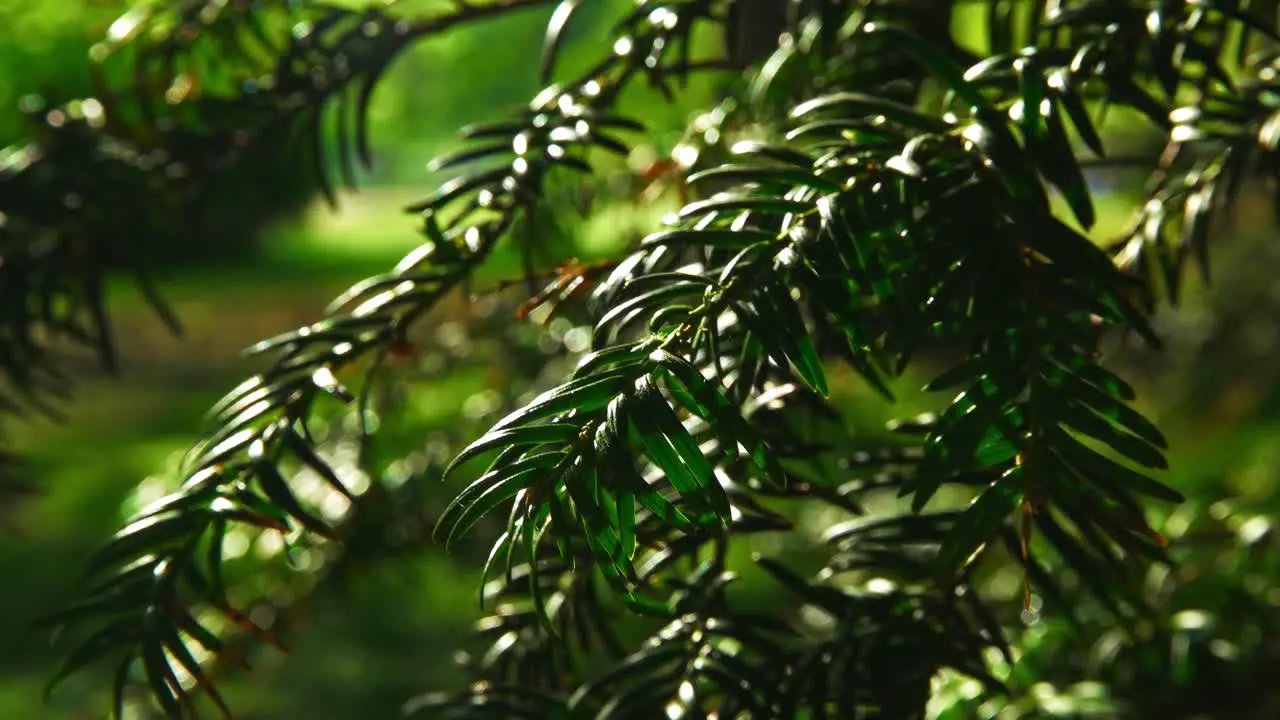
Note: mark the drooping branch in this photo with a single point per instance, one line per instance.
(166, 562)
(740, 270)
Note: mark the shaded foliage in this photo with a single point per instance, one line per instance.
(872, 196)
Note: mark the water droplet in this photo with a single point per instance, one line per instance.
(179, 90)
(685, 155)
(472, 238)
(31, 103)
(578, 339)
(562, 134)
(481, 404)
(371, 29)
(126, 24)
(546, 97)
(568, 105)
(72, 201)
(93, 112)
(664, 18)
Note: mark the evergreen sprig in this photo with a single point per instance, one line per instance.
(744, 264)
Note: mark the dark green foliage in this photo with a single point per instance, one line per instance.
(873, 197)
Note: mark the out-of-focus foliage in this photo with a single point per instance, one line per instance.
(683, 513)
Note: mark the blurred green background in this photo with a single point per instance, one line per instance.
(371, 641)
